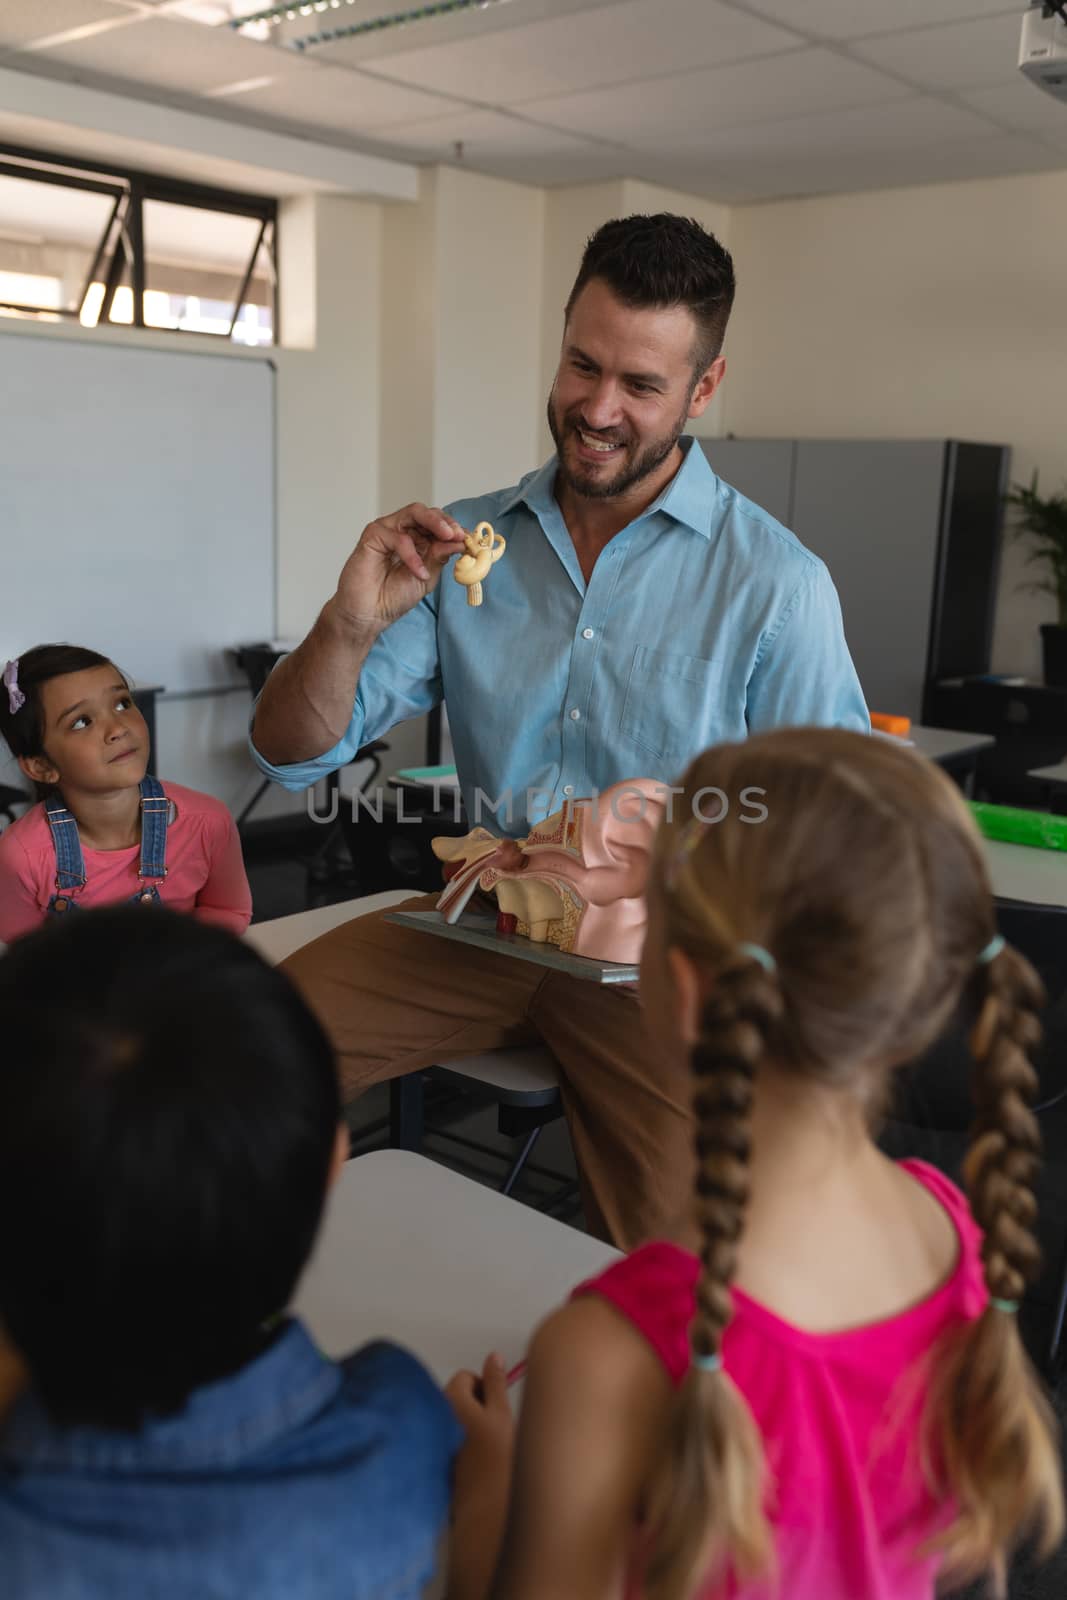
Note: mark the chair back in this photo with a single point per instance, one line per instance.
(257, 662)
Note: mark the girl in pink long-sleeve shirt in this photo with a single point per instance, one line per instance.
(828, 1398)
(102, 830)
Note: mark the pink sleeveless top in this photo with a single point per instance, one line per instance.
(849, 1505)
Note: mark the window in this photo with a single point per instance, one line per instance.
(94, 245)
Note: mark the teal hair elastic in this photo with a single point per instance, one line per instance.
(710, 1363)
(757, 953)
(991, 951)
(1009, 1307)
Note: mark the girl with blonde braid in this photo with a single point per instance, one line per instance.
(829, 1400)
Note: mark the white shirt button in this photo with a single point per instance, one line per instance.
(587, 633)
(568, 789)
(576, 715)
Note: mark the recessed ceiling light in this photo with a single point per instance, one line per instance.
(419, 13)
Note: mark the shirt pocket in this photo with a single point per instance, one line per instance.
(667, 700)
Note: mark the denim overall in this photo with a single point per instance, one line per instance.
(70, 864)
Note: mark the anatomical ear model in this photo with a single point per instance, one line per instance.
(576, 881)
(483, 547)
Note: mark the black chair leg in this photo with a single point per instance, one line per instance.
(249, 808)
(520, 1161)
(1061, 1315)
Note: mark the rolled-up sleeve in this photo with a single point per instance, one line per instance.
(804, 674)
(400, 679)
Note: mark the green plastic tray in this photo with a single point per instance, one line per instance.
(1016, 826)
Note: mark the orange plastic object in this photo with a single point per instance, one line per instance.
(901, 726)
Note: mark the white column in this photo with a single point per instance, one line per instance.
(329, 374)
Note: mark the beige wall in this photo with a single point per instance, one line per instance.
(408, 319)
(487, 333)
(913, 313)
(461, 315)
(571, 215)
(329, 412)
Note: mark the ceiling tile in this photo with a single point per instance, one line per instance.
(213, 11)
(482, 134)
(785, 176)
(919, 121)
(342, 99)
(560, 172)
(507, 147)
(21, 24)
(962, 56)
(612, 44)
(851, 19)
(687, 105)
(169, 54)
(1021, 105)
(728, 100)
(428, 31)
(1055, 140)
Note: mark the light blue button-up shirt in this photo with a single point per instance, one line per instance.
(704, 620)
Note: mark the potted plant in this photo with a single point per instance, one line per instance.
(1044, 521)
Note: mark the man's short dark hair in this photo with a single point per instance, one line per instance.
(168, 1112)
(664, 260)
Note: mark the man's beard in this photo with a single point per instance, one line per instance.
(631, 471)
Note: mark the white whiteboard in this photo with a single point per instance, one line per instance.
(136, 504)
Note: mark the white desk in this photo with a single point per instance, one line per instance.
(947, 747)
(957, 752)
(1021, 872)
(413, 1252)
(282, 935)
(1055, 775)
(1018, 872)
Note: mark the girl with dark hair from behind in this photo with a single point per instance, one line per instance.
(828, 1399)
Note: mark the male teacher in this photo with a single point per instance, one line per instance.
(643, 610)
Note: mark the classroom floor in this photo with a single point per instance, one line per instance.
(280, 886)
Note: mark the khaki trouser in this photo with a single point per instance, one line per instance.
(395, 1000)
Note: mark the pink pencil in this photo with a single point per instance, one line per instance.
(512, 1376)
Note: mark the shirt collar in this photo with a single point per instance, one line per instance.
(686, 498)
(221, 1423)
(536, 490)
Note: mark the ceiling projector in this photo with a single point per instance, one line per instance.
(1043, 48)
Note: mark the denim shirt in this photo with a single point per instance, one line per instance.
(297, 1478)
(703, 620)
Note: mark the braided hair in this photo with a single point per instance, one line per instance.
(990, 1430)
(714, 1443)
(837, 940)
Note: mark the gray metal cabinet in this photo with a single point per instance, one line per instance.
(763, 469)
(910, 530)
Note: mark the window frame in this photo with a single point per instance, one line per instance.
(122, 243)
